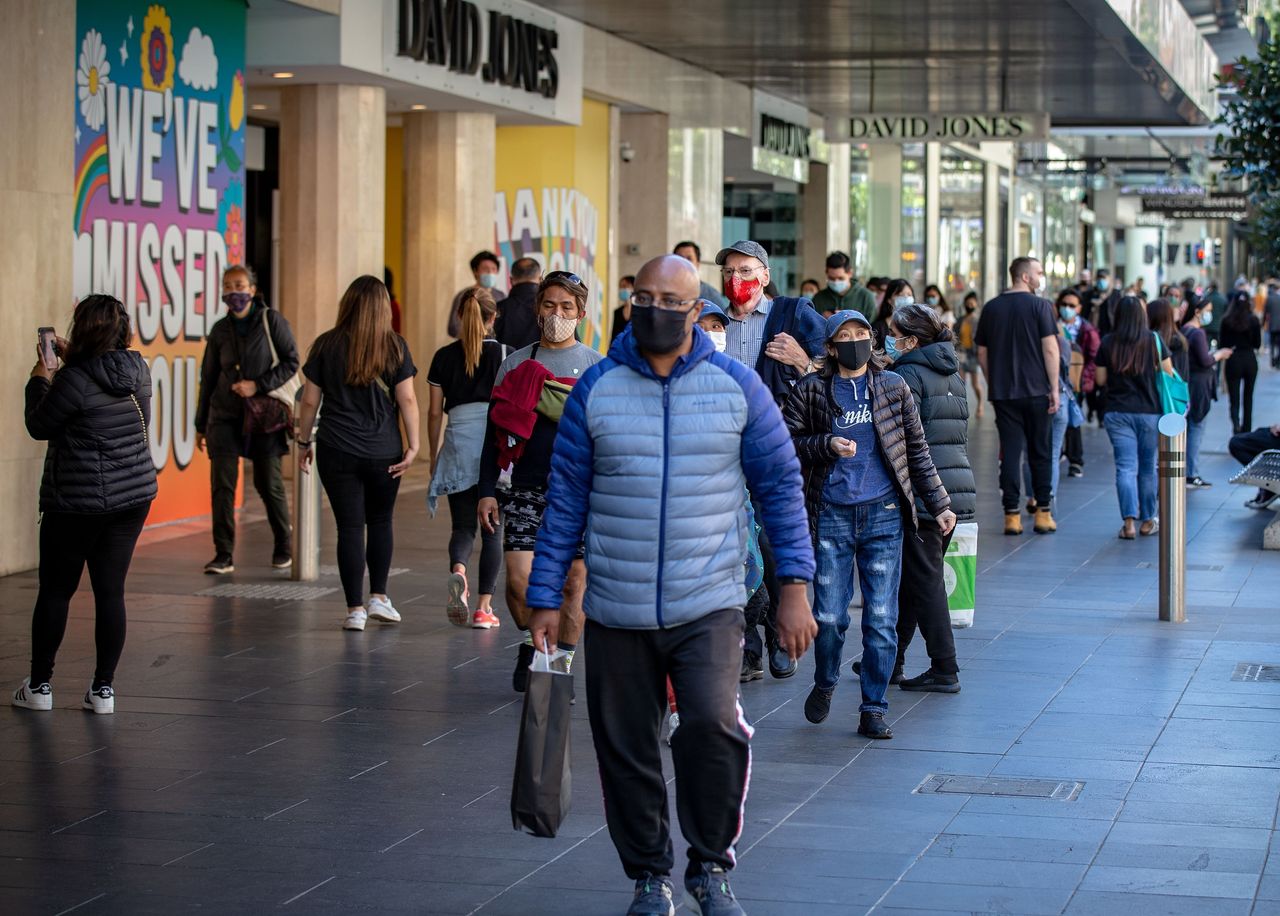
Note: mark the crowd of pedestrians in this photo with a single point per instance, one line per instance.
(667, 507)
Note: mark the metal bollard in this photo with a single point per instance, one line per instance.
(306, 520)
(1173, 518)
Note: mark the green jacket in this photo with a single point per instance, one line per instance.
(858, 298)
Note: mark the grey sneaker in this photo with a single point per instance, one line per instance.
(653, 898)
(707, 892)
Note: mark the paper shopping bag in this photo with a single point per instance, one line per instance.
(540, 791)
(960, 573)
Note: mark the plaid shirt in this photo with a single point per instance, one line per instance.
(745, 336)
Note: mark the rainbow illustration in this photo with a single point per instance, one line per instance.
(91, 175)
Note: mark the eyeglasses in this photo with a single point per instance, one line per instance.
(562, 275)
(666, 303)
(742, 273)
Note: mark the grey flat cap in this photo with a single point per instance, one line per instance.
(747, 247)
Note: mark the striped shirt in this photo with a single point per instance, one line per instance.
(744, 337)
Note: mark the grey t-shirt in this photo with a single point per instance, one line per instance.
(569, 362)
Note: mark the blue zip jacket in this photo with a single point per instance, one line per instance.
(652, 472)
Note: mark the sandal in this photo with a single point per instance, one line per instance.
(1150, 527)
(1126, 535)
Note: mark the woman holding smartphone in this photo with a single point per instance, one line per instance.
(364, 373)
(97, 489)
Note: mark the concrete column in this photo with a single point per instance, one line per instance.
(643, 231)
(932, 267)
(695, 194)
(992, 269)
(448, 217)
(815, 201)
(839, 227)
(884, 205)
(332, 198)
(38, 48)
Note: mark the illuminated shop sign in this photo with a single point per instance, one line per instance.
(498, 48)
(926, 128)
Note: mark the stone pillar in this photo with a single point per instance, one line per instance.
(642, 196)
(884, 205)
(38, 48)
(448, 216)
(332, 199)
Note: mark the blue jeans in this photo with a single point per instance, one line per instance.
(863, 541)
(1195, 435)
(1135, 438)
(1060, 420)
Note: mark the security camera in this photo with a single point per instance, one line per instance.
(627, 151)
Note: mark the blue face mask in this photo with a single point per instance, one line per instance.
(489, 281)
(900, 301)
(891, 347)
(1067, 313)
(624, 295)
(1103, 283)
(839, 287)
(932, 300)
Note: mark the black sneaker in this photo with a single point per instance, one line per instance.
(931, 682)
(1075, 470)
(818, 706)
(895, 678)
(653, 898)
(520, 676)
(873, 725)
(1262, 500)
(781, 665)
(752, 667)
(1198, 483)
(281, 558)
(707, 891)
(220, 565)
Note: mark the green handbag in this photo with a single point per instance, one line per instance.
(1175, 396)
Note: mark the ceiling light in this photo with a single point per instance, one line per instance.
(258, 106)
(283, 75)
(418, 107)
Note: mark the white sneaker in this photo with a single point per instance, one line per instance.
(355, 620)
(29, 697)
(673, 722)
(101, 701)
(381, 609)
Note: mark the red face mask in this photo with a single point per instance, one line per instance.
(740, 291)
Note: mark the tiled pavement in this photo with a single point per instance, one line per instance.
(264, 759)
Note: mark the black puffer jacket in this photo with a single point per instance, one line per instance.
(229, 358)
(95, 415)
(932, 374)
(809, 412)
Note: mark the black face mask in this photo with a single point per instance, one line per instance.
(853, 354)
(658, 330)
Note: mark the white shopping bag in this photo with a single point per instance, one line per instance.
(960, 573)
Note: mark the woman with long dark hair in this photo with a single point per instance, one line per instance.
(1163, 319)
(923, 354)
(864, 458)
(897, 294)
(1202, 382)
(97, 489)
(1128, 360)
(364, 372)
(461, 378)
(1242, 334)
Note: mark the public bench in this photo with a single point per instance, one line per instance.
(1263, 472)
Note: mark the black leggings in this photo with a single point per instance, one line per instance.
(462, 512)
(68, 542)
(362, 495)
(1242, 373)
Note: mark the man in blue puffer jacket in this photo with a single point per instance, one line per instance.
(655, 448)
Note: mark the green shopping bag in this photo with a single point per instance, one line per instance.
(960, 574)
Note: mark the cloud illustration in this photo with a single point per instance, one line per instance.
(199, 67)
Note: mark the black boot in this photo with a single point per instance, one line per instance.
(752, 668)
(873, 725)
(818, 706)
(520, 676)
(781, 665)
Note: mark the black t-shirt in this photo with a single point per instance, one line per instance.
(1011, 327)
(361, 421)
(1132, 393)
(448, 372)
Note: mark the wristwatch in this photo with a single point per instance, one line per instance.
(792, 580)
(304, 444)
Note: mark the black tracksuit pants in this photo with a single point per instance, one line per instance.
(922, 597)
(1025, 424)
(627, 673)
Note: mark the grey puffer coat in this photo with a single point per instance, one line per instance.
(932, 374)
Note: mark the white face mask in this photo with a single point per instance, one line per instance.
(557, 329)
(1042, 285)
(720, 339)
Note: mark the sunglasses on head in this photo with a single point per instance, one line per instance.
(563, 275)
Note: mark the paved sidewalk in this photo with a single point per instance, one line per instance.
(263, 758)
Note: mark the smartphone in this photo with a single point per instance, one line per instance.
(48, 351)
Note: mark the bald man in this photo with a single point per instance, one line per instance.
(655, 449)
